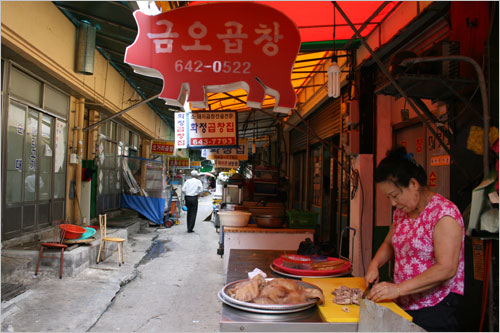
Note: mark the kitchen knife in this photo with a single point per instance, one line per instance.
(367, 290)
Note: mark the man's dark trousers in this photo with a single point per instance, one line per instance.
(192, 210)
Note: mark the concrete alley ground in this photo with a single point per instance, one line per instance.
(169, 283)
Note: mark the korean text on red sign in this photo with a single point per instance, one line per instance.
(159, 147)
(220, 47)
(178, 162)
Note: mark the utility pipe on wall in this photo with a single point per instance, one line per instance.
(120, 113)
(80, 111)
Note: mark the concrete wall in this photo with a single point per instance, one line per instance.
(383, 211)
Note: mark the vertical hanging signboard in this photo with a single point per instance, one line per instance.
(180, 130)
(218, 47)
(212, 129)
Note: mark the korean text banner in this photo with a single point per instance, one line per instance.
(212, 129)
(159, 147)
(240, 153)
(178, 162)
(180, 130)
(195, 164)
(227, 164)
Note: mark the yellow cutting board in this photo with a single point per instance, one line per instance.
(333, 313)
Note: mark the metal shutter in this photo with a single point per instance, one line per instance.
(298, 140)
(326, 121)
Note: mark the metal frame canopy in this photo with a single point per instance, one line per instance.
(116, 29)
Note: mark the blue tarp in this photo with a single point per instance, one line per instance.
(151, 208)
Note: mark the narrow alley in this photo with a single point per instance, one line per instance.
(169, 283)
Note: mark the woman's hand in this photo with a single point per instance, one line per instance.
(372, 275)
(383, 291)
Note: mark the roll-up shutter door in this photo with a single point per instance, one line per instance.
(298, 140)
(325, 122)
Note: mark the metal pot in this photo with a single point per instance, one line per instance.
(267, 211)
(268, 221)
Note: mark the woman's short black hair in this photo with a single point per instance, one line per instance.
(399, 166)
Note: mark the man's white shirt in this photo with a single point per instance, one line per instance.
(192, 187)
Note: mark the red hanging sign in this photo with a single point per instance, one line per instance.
(178, 162)
(160, 147)
(218, 47)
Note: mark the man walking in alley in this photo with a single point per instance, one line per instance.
(192, 189)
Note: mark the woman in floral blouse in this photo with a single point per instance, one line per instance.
(426, 241)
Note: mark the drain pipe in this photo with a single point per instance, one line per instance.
(80, 112)
(484, 98)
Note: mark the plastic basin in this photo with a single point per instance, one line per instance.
(88, 233)
(234, 218)
(72, 231)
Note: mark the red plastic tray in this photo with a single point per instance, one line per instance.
(278, 262)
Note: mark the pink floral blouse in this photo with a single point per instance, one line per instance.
(414, 252)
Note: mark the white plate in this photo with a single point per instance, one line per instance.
(256, 310)
(268, 307)
(277, 270)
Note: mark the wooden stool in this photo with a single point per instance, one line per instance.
(119, 241)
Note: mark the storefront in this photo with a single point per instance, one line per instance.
(35, 126)
(115, 140)
(49, 104)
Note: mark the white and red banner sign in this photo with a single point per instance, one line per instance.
(218, 47)
(212, 129)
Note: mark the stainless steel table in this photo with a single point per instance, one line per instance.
(232, 320)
